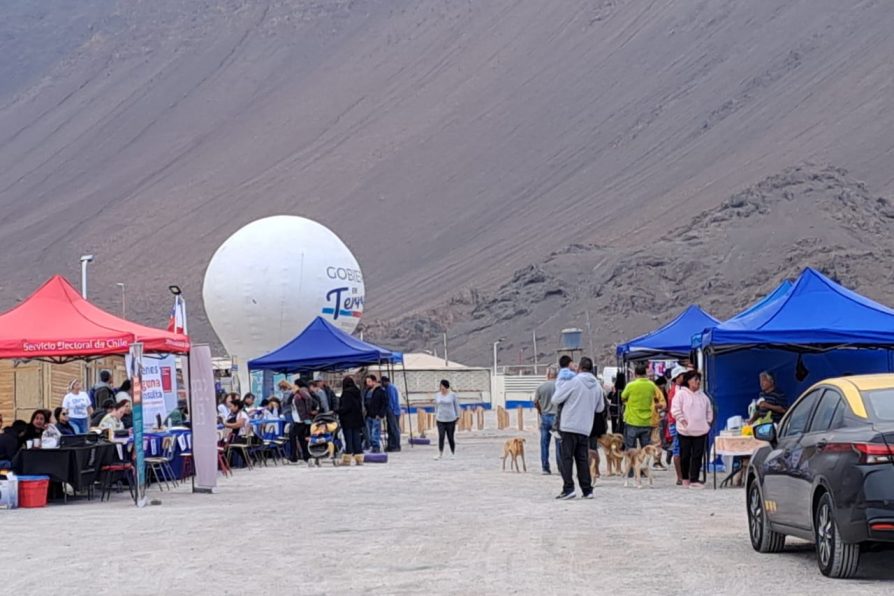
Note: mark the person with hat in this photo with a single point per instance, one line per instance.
(674, 454)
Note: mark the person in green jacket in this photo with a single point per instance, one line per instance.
(638, 397)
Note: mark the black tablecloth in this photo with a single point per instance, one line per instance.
(78, 466)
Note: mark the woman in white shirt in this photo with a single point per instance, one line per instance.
(79, 406)
(238, 421)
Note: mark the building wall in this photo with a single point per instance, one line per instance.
(28, 386)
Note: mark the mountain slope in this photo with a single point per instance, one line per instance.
(449, 143)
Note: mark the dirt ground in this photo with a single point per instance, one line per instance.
(413, 526)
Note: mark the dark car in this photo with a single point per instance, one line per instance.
(827, 475)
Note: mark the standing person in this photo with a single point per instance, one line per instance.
(673, 439)
(316, 388)
(333, 399)
(376, 411)
(659, 408)
(103, 390)
(581, 399)
(543, 401)
(79, 406)
(305, 409)
(392, 414)
(447, 412)
(350, 414)
(694, 415)
(638, 397)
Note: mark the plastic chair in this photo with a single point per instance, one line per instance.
(162, 464)
(244, 450)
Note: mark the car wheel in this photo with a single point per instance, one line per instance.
(763, 539)
(836, 558)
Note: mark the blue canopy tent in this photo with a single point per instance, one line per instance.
(673, 340)
(815, 330)
(322, 346)
(776, 294)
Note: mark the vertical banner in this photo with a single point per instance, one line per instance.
(203, 414)
(135, 371)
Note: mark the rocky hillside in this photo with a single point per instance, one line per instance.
(722, 258)
(449, 143)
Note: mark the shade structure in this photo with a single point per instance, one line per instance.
(673, 340)
(780, 291)
(56, 323)
(815, 330)
(816, 313)
(323, 346)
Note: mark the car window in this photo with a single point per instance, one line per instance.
(797, 418)
(881, 402)
(825, 411)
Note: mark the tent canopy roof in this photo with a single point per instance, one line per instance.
(815, 311)
(56, 323)
(776, 294)
(323, 346)
(673, 339)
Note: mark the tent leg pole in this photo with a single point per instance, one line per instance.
(407, 399)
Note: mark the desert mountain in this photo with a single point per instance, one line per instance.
(586, 145)
(723, 259)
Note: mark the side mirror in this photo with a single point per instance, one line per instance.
(766, 432)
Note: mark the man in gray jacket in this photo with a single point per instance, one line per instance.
(580, 399)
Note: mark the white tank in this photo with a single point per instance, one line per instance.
(271, 278)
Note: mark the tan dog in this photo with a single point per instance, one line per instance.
(640, 461)
(514, 448)
(611, 445)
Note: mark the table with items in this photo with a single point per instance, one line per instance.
(740, 448)
(78, 467)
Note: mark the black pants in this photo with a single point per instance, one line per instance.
(298, 437)
(446, 428)
(353, 441)
(393, 431)
(692, 454)
(574, 451)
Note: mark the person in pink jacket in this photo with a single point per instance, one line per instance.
(693, 412)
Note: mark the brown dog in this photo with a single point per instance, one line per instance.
(640, 461)
(514, 448)
(611, 445)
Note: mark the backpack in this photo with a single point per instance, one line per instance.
(317, 405)
(600, 422)
(101, 395)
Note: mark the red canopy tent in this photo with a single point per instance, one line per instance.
(57, 324)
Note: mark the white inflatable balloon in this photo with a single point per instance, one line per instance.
(271, 278)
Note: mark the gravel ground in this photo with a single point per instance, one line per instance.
(412, 526)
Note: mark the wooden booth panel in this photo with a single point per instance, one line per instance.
(60, 375)
(7, 391)
(28, 390)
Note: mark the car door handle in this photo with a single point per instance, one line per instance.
(821, 445)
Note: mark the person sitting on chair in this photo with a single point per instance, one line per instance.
(108, 406)
(62, 422)
(112, 420)
(238, 421)
(770, 401)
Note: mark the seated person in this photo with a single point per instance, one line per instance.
(272, 409)
(10, 442)
(108, 406)
(62, 422)
(112, 420)
(238, 422)
(39, 421)
(770, 401)
(176, 417)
